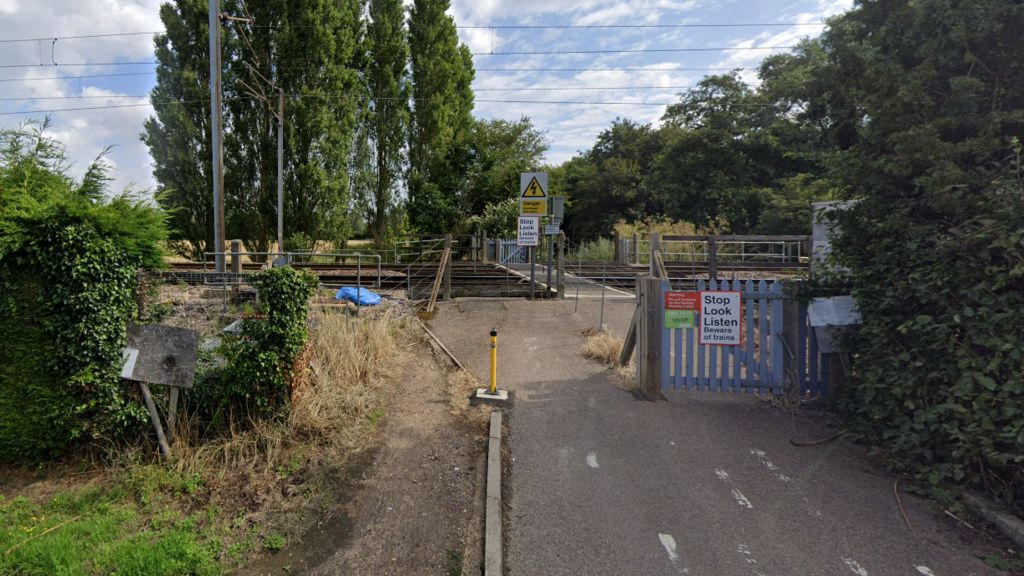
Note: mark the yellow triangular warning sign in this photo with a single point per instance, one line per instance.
(533, 190)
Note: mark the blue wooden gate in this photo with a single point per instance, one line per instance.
(758, 363)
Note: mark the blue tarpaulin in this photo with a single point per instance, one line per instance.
(362, 297)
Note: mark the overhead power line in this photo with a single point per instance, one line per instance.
(600, 69)
(635, 51)
(79, 77)
(55, 38)
(327, 97)
(77, 64)
(634, 26)
(474, 27)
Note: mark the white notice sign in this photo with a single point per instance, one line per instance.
(720, 318)
(528, 231)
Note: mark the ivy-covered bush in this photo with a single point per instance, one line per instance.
(255, 380)
(935, 242)
(68, 257)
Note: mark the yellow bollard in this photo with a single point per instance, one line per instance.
(494, 362)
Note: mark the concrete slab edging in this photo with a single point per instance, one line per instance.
(492, 523)
(1011, 526)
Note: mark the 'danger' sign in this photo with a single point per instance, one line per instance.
(720, 318)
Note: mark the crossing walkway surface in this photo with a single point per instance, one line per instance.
(701, 484)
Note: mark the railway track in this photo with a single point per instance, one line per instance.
(479, 279)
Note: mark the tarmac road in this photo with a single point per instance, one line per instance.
(703, 484)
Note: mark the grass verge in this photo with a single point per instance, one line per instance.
(219, 501)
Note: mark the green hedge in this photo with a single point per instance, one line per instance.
(254, 381)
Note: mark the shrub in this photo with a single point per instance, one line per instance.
(67, 276)
(255, 380)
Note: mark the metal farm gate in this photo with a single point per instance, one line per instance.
(769, 357)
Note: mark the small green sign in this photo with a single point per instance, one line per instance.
(680, 319)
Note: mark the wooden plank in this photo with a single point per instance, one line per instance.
(702, 381)
(154, 417)
(778, 352)
(690, 379)
(437, 279)
(763, 329)
(665, 356)
(677, 373)
(749, 358)
(630, 342)
(649, 339)
(713, 378)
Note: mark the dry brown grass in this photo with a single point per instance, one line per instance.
(274, 472)
(602, 346)
(461, 385)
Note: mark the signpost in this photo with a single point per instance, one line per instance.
(720, 318)
(533, 201)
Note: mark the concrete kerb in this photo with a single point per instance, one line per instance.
(492, 524)
(1011, 526)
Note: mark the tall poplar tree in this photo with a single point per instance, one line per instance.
(442, 75)
(387, 118)
(307, 48)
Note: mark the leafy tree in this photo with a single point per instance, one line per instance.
(500, 150)
(309, 50)
(442, 74)
(608, 182)
(178, 135)
(388, 114)
(934, 242)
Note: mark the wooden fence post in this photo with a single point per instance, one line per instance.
(636, 248)
(448, 268)
(618, 256)
(486, 248)
(655, 242)
(713, 257)
(648, 332)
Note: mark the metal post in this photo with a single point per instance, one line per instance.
(359, 281)
(579, 274)
(604, 280)
(561, 266)
(486, 247)
(494, 362)
(636, 248)
(216, 137)
(533, 273)
(550, 258)
(280, 171)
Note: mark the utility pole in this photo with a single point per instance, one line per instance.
(216, 136)
(280, 170)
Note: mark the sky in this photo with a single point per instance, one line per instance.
(569, 106)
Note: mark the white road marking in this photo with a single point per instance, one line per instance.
(742, 549)
(722, 474)
(592, 460)
(669, 544)
(741, 499)
(925, 570)
(762, 456)
(855, 567)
